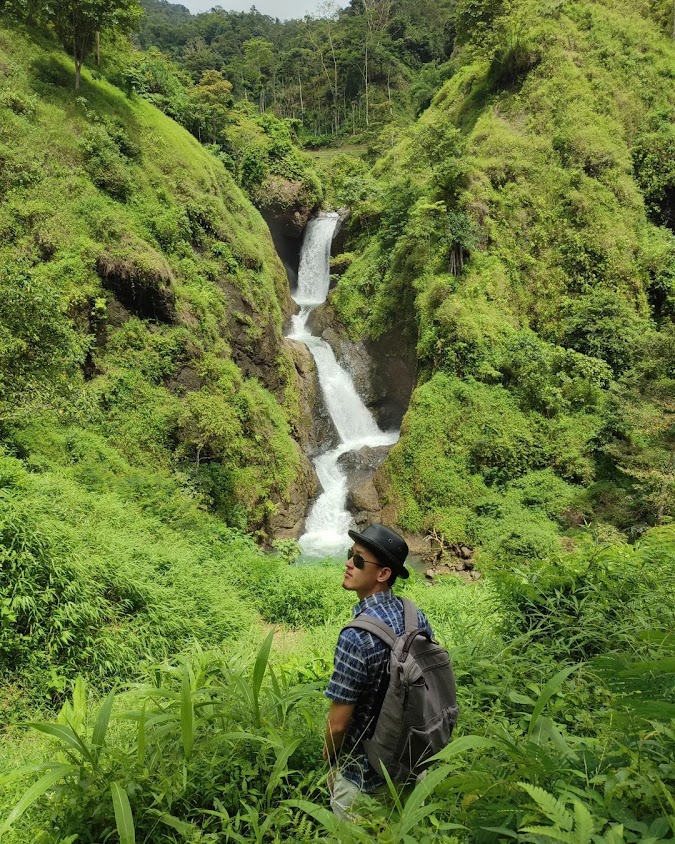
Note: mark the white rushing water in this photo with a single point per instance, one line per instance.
(328, 520)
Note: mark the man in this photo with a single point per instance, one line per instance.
(360, 666)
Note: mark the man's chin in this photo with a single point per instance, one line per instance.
(347, 583)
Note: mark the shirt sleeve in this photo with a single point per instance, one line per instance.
(350, 672)
(423, 624)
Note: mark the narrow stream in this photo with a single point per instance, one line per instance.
(328, 520)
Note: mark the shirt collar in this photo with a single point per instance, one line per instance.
(372, 601)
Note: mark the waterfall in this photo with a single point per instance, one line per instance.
(328, 520)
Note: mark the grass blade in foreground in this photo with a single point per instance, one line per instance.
(36, 790)
(187, 714)
(259, 672)
(101, 726)
(123, 816)
(547, 693)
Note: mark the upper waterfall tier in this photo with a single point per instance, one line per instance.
(313, 274)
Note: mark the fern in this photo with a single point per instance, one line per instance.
(583, 823)
(553, 808)
(552, 832)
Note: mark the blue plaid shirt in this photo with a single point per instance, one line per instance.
(360, 667)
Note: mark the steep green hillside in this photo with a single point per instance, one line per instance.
(141, 297)
(522, 233)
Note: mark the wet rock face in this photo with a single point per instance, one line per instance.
(316, 431)
(289, 520)
(143, 286)
(253, 350)
(383, 370)
(340, 234)
(286, 208)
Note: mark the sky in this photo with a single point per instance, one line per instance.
(283, 9)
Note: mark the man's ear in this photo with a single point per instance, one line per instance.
(383, 574)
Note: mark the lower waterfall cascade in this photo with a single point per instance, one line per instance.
(328, 519)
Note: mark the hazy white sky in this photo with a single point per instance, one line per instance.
(276, 8)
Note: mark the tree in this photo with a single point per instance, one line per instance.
(213, 97)
(321, 35)
(258, 64)
(78, 22)
(376, 15)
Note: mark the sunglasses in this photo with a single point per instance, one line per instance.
(358, 560)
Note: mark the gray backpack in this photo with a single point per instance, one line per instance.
(419, 708)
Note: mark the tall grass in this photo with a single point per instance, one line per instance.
(226, 745)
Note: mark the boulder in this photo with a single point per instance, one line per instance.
(340, 234)
(360, 465)
(285, 204)
(363, 497)
(363, 500)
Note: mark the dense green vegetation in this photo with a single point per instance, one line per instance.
(516, 234)
(140, 291)
(349, 71)
(565, 677)
(161, 677)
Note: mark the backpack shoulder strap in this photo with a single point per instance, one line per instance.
(376, 627)
(409, 615)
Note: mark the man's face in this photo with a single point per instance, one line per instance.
(367, 580)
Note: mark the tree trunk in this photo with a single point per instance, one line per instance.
(98, 48)
(365, 79)
(78, 72)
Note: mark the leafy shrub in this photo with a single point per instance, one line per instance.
(296, 595)
(654, 157)
(105, 164)
(603, 325)
(597, 600)
(81, 595)
(19, 102)
(40, 353)
(213, 749)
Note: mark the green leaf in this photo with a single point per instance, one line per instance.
(36, 790)
(332, 824)
(546, 729)
(123, 817)
(259, 672)
(79, 702)
(187, 830)
(141, 737)
(423, 789)
(229, 832)
(516, 697)
(24, 770)
(187, 714)
(67, 735)
(461, 745)
(101, 726)
(244, 736)
(547, 693)
(412, 819)
(502, 830)
(552, 832)
(279, 769)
